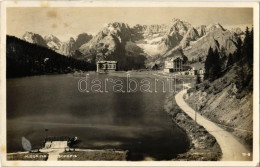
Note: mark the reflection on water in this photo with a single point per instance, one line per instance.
(132, 121)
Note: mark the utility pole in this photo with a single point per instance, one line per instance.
(196, 112)
(46, 131)
(183, 85)
(173, 98)
(173, 92)
(196, 109)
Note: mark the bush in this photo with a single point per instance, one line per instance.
(191, 90)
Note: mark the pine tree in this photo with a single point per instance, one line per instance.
(208, 63)
(198, 81)
(230, 61)
(244, 68)
(216, 66)
(247, 48)
(223, 57)
(155, 67)
(222, 52)
(238, 54)
(251, 56)
(212, 65)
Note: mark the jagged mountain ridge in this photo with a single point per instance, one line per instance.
(52, 42)
(67, 48)
(34, 38)
(217, 39)
(155, 42)
(114, 42)
(108, 40)
(195, 45)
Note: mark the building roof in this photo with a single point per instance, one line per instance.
(174, 58)
(57, 138)
(103, 61)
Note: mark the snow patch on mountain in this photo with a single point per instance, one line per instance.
(118, 40)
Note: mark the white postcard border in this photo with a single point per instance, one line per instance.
(15, 3)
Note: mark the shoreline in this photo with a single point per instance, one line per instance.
(233, 150)
(236, 125)
(203, 146)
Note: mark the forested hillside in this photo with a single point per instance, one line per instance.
(25, 59)
(240, 63)
(226, 94)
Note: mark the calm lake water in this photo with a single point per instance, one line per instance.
(132, 121)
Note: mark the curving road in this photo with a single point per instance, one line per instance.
(232, 149)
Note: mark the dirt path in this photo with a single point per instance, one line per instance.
(232, 149)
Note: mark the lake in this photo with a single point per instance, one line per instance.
(130, 121)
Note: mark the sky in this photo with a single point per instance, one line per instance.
(69, 22)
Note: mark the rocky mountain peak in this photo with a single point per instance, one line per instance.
(119, 25)
(27, 33)
(82, 39)
(67, 48)
(117, 40)
(71, 40)
(214, 27)
(52, 41)
(237, 30)
(178, 26)
(115, 27)
(51, 37)
(34, 38)
(191, 35)
(201, 30)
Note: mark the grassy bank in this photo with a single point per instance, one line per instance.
(27, 157)
(221, 103)
(93, 155)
